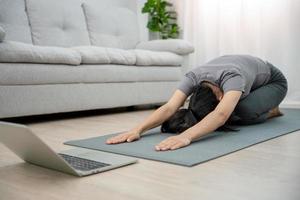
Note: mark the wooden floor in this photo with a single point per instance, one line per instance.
(270, 170)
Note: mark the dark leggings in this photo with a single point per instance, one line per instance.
(254, 108)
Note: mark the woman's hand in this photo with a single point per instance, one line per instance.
(128, 136)
(173, 142)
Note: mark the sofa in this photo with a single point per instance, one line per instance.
(73, 55)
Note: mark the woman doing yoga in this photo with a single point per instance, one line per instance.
(231, 89)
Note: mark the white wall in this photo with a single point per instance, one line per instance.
(143, 19)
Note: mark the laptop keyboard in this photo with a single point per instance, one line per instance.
(83, 164)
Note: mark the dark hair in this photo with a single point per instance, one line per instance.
(179, 122)
(202, 102)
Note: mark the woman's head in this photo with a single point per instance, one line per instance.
(179, 122)
(204, 100)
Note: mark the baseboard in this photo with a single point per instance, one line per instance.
(290, 104)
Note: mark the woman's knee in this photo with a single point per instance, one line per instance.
(247, 115)
(247, 121)
(245, 111)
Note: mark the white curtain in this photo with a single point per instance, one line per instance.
(269, 29)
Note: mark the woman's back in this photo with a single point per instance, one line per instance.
(230, 72)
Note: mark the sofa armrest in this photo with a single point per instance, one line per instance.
(177, 46)
(2, 34)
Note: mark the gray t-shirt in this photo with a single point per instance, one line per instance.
(230, 72)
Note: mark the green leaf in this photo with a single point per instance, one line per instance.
(162, 18)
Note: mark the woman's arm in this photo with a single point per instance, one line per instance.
(216, 118)
(211, 122)
(155, 119)
(164, 112)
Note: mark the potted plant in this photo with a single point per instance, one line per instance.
(162, 18)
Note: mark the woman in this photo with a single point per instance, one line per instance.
(231, 89)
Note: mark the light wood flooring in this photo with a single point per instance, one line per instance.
(268, 171)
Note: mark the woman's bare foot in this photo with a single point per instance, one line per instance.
(275, 112)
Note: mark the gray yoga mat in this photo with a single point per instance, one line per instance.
(209, 147)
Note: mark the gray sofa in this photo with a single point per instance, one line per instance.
(71, 55)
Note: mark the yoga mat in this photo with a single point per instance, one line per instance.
(209, 147)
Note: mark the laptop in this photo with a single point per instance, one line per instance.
(78, 161)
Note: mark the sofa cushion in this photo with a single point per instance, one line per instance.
(112, 23)
(177, 46)
(2, 34)
(102, 55)
(14, 21)
(149, 58)
(40, 74)
(17, 52)
(57, 22)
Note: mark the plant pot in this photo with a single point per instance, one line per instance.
(154, 35)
